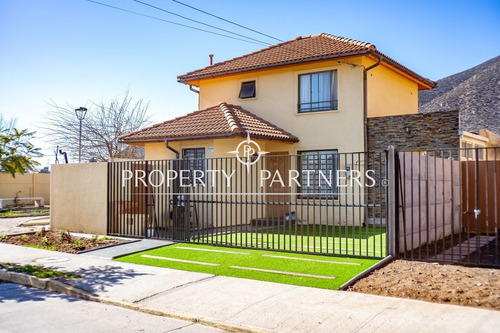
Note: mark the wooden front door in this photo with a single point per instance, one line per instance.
(278, 195)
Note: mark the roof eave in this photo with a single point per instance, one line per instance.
(216, 136)
(248, 69)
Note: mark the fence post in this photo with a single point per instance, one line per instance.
(392, 209)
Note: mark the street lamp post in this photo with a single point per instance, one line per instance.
(80, 115)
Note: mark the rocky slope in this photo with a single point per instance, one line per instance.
(475, 92)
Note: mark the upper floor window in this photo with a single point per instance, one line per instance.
(247, 90)
(318, 92)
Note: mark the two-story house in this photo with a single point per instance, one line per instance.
(309, 97)
(309, 94)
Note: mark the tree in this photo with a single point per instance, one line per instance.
(16, 152)
(102, 126)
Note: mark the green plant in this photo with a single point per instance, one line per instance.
(38, 233)
(2, 236)
(77, 243)
(45, 240)
(94, 238)
(22, 238)
(16, 152)
(65, 235)
(37, 271)
(103, 238)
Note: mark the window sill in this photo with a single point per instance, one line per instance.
(247, 99)
(316, 112)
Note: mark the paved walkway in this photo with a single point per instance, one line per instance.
(115, 251)
(260, 305)
(21, 225)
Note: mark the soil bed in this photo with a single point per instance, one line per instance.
(479, 287)
(59, 241)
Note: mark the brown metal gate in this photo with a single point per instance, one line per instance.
(449, 206)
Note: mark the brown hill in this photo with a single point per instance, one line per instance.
(474, 92)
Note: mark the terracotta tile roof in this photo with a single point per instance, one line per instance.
(223, 120)
(301, 49)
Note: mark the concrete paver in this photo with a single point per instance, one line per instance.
(258, 304)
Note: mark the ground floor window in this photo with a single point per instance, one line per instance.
(318, 169)
(194, 159)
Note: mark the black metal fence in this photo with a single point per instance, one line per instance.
(449, 207)
(316, 202)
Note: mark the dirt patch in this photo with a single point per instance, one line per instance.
(59, 241)
(479, 287)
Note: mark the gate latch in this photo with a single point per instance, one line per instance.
(476, 212)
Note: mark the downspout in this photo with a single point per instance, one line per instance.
(365, 98)
(176, 188)
(172, 150)
(193, 90)
(196, 91)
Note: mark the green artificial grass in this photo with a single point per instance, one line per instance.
(338, 240)
(258, 259)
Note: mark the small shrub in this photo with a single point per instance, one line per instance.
(65, 235)
(94, 238)
(45, 240)
(22, 238)
(38, 233)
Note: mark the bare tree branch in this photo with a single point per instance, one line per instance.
(102, 126)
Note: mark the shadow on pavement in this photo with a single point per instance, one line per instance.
(99, 278)
(19, 293)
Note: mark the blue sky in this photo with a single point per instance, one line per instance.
(74, 51)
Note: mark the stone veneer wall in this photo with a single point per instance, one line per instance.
(429, 131)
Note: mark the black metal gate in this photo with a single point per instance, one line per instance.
(315, 202)
(449, 206)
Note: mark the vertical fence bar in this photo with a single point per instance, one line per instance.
(391, 195)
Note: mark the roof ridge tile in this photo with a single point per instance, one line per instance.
(233, 125)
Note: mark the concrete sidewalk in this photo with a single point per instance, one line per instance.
(263, 306)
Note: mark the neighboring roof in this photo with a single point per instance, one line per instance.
(301, 49)
(223, 120)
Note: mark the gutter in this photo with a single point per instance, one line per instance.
(365, 98)
(185, 138)
(431, 84)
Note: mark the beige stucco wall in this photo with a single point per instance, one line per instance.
(79, 197)
(29, 185)
(389, 93)
(276, 101)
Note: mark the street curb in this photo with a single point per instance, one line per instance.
(64, 288)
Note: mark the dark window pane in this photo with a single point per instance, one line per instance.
(247, 90)
(194, 159)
